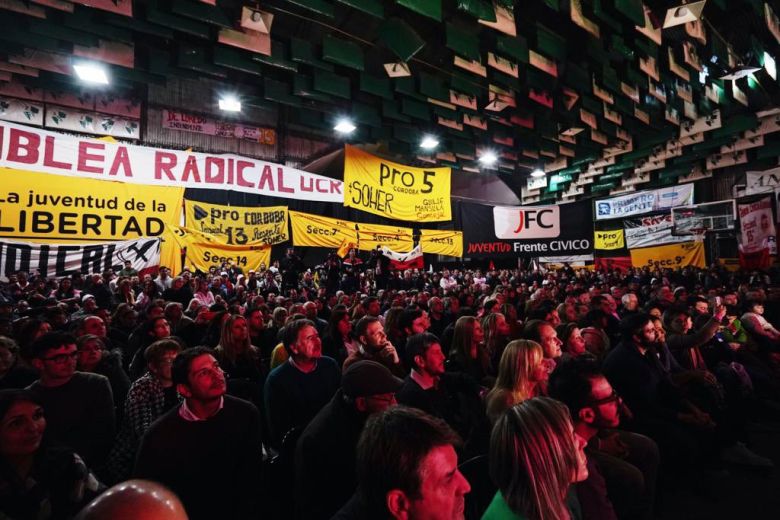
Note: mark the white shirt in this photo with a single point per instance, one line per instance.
(187, 414)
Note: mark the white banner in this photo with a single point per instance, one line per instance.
(402, 257)
(757, 227)
(65, 118)
(58, 261)
(28, 148)
(651, 231)
(762, 182)
(21, 111)
(527, 222)
(644, 202)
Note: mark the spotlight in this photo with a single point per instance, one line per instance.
(229, 104)
(488, 158)
(537, 173)
(429, 142)
(344, 126)
(91, 73)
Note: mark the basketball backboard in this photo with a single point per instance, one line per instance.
(710, 216)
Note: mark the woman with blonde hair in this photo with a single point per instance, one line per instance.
(535, 456)
(522, 374)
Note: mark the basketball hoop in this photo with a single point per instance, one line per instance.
(698, 234)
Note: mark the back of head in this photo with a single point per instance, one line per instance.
(531, 330)
(570, 382)
(391, 449)
(518, 361)
(533, 458)
(135, 499)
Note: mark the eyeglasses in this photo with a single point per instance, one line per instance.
(63, 358)
(612, 398)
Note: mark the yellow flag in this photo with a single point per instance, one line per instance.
(395, 190)
(608, 239)
(203, 255)
(671, 256)
(396, 238)
(316, 231)
(57, 209)
(238, 225)
(442, 242)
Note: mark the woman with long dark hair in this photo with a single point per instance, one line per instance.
(36, 480)
(337, 341)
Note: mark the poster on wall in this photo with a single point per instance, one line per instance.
(32, 149)
(442, 242)
(652, 230)
(670, 256)
(762, 182)
(238, 225)
(644, 202)
(757, 227)
(530, 231)
(608, 240)
(47, 208)
(62, 260)
(394, 190)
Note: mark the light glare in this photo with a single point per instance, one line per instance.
(91, 73)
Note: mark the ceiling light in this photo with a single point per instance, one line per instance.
(770, 65)
(537, 173)
(344, 126)
(488, 158)
(429, 142)
(739, 72)
(229, 104)
(91, 73)
(683, 14)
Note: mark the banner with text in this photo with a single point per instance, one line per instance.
(238, 225)
(511, 231)
(61, 260)
(28, 148)
(762, 182)
(52, 208)
(669, 256)
(644, 202)
(442, 242)
(395, 190)
(396, 238)
(651, 231)
(202, 255)
(316, 231)
(757, 227)
(608, 240)
(185, 122)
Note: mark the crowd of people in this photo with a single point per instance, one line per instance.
(349, 390)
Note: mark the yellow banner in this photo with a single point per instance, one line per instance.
(609, 239)
(58, 209)
(238, 225)
(442, 242)
(202, 255)
(396, 238)
(671, 256)
(395, 190)
(316, 231)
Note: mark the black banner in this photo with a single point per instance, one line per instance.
(527, 231)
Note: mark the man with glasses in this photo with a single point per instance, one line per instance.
(79, 406)
(325, 454)
(622, 466)
(206, 450)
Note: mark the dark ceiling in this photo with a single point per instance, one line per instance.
(524, 93)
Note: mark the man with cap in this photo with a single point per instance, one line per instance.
(88, 307)
(325, 454)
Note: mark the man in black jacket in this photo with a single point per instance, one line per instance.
(325, 455)
(450, 396)
(207, 449)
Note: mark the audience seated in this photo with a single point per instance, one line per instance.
(207, 450)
